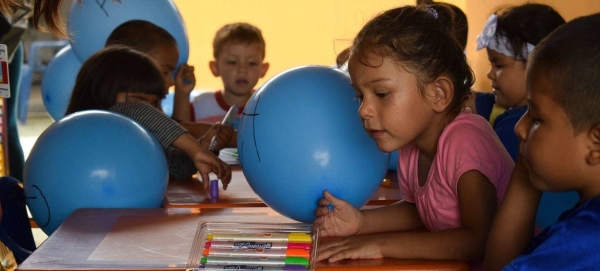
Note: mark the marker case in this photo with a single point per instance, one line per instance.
(253, 246)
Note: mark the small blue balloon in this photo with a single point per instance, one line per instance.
(552, 205)
(300, 134)
(393, 165)
(58, 82)
(91, 22)
(93, 159)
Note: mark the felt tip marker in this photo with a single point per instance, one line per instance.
(294, 237)
(214, 189)
(258, 252)
(261, 261)
(254, 245)
(227, 120)
(253, 267)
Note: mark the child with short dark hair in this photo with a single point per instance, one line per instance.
(125, 81)
(560, 135)
(239, 52)
(412, 80)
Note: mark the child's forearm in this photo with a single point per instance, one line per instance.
(451, 244)
(514, 225)
(181, 106)
(187, 144)
(399, 216)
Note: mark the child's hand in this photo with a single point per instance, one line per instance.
(355, 247)
(206, 162)
(185, 80)
(223, 133)
(343, 220)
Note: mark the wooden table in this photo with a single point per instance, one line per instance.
(189, 193)
(161, 239)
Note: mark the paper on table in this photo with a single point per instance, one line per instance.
(230, 156)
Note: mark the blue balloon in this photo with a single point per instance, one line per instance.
(91, 22)
(393, 165)
(552, 205)
(300, 134)
(58, 82)
(93, 159)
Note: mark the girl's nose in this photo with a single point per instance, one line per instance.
(522, 127)
(365, 111)
(491, 74)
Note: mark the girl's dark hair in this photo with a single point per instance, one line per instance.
(422, 44)
(141, 35)
(527, 23)
(113, 70)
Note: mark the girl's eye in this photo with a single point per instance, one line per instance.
(231, 62)
(358, 98)
(382, 95)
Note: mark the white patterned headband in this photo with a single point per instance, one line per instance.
(498, 43)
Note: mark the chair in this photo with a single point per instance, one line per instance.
(15, 230)
(34, 64)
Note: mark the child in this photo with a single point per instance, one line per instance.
(412, 80)
(239, 52)
(157, 43)
(509, 36)
(125, 81)
(560, 135)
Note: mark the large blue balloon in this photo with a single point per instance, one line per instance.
(58, 82)
(91, 22)
(301, 134)
(93, 159)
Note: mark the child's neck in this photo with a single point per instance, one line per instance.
(428, 141)
(239, 100)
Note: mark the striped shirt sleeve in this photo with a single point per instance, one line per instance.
(163, 128)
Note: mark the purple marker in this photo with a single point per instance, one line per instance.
(214, 189)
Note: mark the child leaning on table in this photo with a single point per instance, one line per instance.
(161, 46)
(412, 80)
(125, 81)
(560, 150)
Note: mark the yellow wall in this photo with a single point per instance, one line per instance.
(296, 32)
(302, 32)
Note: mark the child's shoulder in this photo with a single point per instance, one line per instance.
(468, 123)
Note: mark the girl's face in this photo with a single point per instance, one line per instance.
(508, 79)
(393, 109)
(138, 97)
(552, 151)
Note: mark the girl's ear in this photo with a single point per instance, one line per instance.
(593, 156)
(442, 93)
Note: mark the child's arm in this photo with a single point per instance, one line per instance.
(168, 132)
(227, 136)
(205, 161)
(513, 227)
(337, 217)
(477, 200)
(185, 81)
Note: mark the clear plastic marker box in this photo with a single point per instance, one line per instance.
(253, 246)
